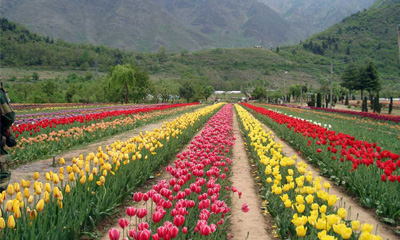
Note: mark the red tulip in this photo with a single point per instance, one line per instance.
(141, 212)
(123, 223)
(137, 197)
(245, 208)
(131, 211)
(113, 234)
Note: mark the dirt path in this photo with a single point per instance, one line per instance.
(364, 215)
(26, 171)
(252, 222)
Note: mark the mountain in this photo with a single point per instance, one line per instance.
(363, 36)
(312, 16)
(145, 25)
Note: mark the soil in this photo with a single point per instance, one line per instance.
(351, 205)
(250, 225)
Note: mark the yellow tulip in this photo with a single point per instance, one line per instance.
(91, 177)
(332, 200)
(288, 203)
(40, 205)
(82, 180)
(355, 225)
(30, 199)
(322, 209)
(309, 199)
(301, 208)
(26, 193)
(46, 197)
(17, 212)
(62, 161)
(328, 237)
(19, 196)
(365, 236)
(299, 199)
(342, 213)
(47, 187)
(367, 227)
(321, 234)
(10, 190)
(17, 188)
(321, 224)
(71, 177)
(346, 233)
(11, 222)
(47, 176)
(314, 206)
(36, 176)
(67, 189)
(301, 231)
(2, 223)
(327, 185)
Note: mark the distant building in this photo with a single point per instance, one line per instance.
(227, 92)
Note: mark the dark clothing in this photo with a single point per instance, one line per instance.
(7, 118)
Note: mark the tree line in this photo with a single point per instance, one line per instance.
(123, 83)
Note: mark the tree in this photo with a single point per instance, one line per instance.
(207, 91)
(123, 76)
(259, 93)
(187, 91)
(142, 84)
(35, 76)
(319, 100)
(371, 78)
(162, 54)
(350, 77)
(391, 105)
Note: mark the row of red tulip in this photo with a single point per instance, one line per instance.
(191, 204)
(36, 127)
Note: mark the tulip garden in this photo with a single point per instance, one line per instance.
(194, 198)
(43, 134)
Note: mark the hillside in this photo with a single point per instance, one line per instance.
(312, 16)
(362, 36)
(146, 25)
(20, 47)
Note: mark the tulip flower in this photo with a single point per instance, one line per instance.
(2, 223)
(113, 234)
(123, 223)
(301, 231)
(245, 208)
(131, 211)
(40, 205)
(11, 222)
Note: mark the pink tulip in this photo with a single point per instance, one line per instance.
(131, 211)
(245, 208)
(113, 234)
(137, 197)
(123, 223)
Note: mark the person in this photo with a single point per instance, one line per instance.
(6, 137)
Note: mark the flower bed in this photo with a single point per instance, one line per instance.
(299, 202)
(364, 168)
(191, 205)
(47, 142)
(77, 198)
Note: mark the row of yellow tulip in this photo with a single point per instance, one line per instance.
(91, 187)
(300, 202)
